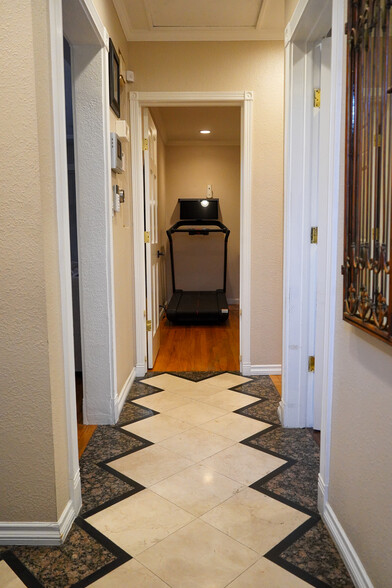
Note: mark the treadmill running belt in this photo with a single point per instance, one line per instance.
(198, 307)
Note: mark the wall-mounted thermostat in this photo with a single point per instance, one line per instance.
(116, 154)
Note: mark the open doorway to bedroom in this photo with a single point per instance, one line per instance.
(195, 173)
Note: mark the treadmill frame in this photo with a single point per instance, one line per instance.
(205, 229)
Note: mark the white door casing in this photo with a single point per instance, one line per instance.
(322, 246)
(139, 100)
(152, 230)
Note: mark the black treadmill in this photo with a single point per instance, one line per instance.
(193, 307)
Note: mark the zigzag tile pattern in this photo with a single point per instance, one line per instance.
(197, 482)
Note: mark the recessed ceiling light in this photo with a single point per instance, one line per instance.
(205, 132)
(204, 203)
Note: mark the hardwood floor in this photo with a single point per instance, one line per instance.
(84, 431)
(200, 348)
(277, 380)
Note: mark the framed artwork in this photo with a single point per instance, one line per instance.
(114, 79)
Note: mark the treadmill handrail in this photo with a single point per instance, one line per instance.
(198, 223)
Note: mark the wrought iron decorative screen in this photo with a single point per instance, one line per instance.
(368, 220)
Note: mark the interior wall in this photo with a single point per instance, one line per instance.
(122, 221)
(361, 437)
(199, 259)
(239, 66)
(33, 442)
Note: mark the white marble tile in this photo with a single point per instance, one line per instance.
(227, 380)
(197, 489)
(162, 401)
(242, 463)
(234, 426)
(265, 574)
(256, 520)
(230, 400)
(196, 413)
(198, 556)
(199, 392)
(157, 427)
(168, 382)
(196, 444)
(132, 573)
(138, 522)
(8, 578)
(150, 465)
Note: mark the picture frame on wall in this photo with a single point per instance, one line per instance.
(114, 79)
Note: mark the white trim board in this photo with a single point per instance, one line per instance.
(266, 370)
(38, 533)
(138, 100)
(121, 398)
(346, 549)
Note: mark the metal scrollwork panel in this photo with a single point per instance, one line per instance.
(368, 207)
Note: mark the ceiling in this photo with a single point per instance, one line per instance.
(201, 20)
(181, 125)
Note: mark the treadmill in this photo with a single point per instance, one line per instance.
(198, 307)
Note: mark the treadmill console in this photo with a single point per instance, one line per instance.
(199, 208)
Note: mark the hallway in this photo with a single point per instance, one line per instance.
(197, 485)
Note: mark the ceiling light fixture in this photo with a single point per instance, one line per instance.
(205, 132)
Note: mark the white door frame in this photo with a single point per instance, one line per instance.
(138, 100)
(96, 29)
(308, 24)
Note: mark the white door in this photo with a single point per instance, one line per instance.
(151, 236)
(322, 191)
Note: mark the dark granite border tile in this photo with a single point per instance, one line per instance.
(121, 555)
(260, 412)
(275, 553)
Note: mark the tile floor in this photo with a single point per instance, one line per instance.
(197, 486)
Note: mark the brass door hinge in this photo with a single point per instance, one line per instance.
(317, 98)
(145, 144)
(148, 325)
(314, 235)
(146, 236)
(311, 362)
(240, 358)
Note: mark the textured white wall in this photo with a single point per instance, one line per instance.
(122, 221)
(33, 446)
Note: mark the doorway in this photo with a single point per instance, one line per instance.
(243, 103)
(183, 168)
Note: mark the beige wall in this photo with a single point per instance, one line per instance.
(361, 472)
(188, 171)
(33, 444)
(238, 66)
(289, 9)
(122, 221)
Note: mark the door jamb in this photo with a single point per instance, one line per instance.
(293, 405)
(138, 100)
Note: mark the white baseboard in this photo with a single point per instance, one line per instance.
(266, 370)
(246, 369)
(346, 550)
(121, 398)
(140, 370)
(77, 492)
(322, 496)
(39, 533)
